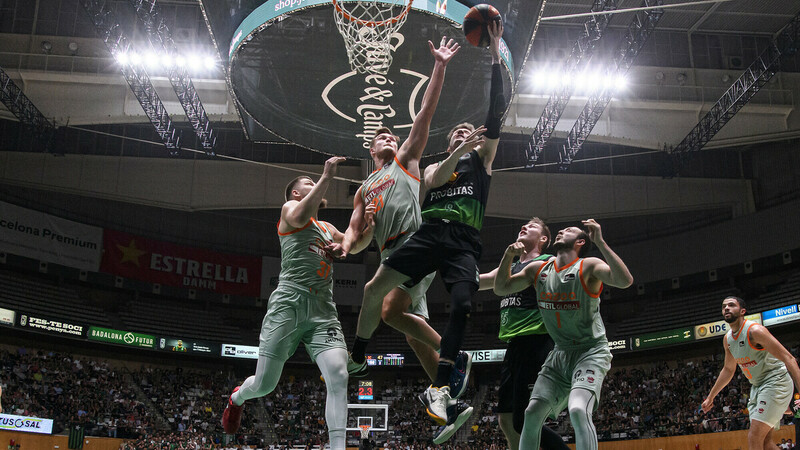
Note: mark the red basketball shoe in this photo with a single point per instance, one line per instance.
(232, 416)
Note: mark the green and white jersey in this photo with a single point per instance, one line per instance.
(395, 193)
(757, 364)
(519, 312)
(304, 261)
(570, 312)
(463, 198)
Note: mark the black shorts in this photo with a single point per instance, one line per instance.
(524, 359)
(452, 248)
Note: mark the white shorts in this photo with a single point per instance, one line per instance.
(769, 400)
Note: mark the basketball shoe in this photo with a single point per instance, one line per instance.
(232, 416)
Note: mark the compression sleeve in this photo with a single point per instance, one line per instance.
(497, 104)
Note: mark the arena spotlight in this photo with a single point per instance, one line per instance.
(122, 58)
(163, 62)
(590, 81)
(134, 59)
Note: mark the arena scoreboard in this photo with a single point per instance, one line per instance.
(365, 390)
(388, 359)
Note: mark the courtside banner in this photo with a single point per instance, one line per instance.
(7, 317)
(37, 235)
(239, 351)
(145, 259)
(487, 356)
(35, 322)
(650, 340)
(121, 337)
(618, 345)
(719, 327)
(177, 345)
(10, 422)
(780, 315)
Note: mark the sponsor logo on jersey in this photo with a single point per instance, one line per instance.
(559, 306)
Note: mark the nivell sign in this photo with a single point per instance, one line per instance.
(279, 80)
(10, 422)
(719, 327)
(780, 315)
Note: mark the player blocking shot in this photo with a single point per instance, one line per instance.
(392, 192)
(768, 366)
(448, 241)
(301, 308)
(568, 289)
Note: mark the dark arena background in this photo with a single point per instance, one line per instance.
(145, 147)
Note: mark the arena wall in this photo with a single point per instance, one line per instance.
(31, 441)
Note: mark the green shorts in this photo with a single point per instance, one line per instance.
(769, 401)
(294, 316)
(565, 370)
(419, 302)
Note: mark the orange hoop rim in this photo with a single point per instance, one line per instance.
(364, 430)
(371, 23)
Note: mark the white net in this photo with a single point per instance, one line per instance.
(367, 27)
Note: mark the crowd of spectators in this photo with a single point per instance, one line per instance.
(175, 408)
(169, 440)
(71, 390)
(190, 400)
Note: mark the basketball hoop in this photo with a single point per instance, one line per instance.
(364, 431)
(367, 27)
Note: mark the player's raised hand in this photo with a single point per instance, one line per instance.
(446, 51)
(515, 249)
(369, 216)
(472, 140)
(707, 404)
(495, 28)
(331, 165)
(335, 250)
(593, 228)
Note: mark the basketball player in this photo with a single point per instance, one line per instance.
(301, 308)
(448, 241)
(568, 289)
(528, 342)
(768, 366)
(393, 190)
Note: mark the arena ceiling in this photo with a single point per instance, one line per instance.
(80, 87)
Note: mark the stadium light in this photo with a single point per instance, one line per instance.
(589, 81)
(163, 62)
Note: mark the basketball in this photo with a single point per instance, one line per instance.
(476, 22)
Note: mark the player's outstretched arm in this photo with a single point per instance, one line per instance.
(366, 234)
(760, 336)
(438, 174)
(504, 282)
(411, 151)
(298, 213)
(612, 271)
(723, 379)
(497, 101)
(487, 280)
(354, 232)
